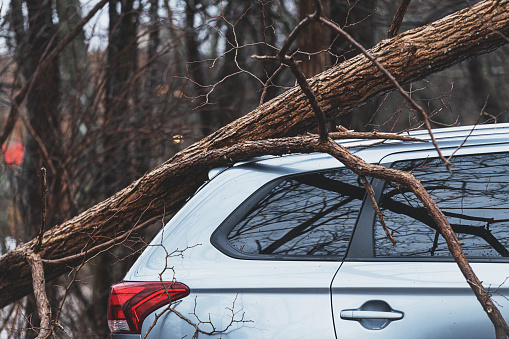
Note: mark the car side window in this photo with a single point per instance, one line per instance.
(474, 198)
(305, 216)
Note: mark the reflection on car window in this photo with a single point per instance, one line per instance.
(474, 198)
(307, 215)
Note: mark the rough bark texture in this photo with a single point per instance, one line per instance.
(409, 56)
(314, 41)
(398, 18)
(39, 287)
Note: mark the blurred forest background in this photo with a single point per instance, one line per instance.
(143, 79)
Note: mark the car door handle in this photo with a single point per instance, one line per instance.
(358, 314)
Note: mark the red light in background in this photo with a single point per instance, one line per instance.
(13, 153)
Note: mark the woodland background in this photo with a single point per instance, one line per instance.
(144, 79)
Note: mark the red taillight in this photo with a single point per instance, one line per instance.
(131, 302)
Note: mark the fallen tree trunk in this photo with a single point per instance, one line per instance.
(409, 56)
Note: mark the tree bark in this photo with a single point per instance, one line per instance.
(43, 307)
(409, 56)
(314, 41)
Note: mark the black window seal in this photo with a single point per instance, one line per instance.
(218, 237)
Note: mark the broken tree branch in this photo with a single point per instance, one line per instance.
(310, 94)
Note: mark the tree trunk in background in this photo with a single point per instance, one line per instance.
(230, 93)
(147, 113)
(44, 117)
(72, 63)
(116, 159)
(361, 16)
(480, 88)
(315, 39)
(204, 119)
(17, 26)
(122, 57)
(154, 41)
(314, 42)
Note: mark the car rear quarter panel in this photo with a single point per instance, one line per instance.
(268, 299)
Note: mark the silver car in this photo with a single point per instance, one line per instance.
(289, 247)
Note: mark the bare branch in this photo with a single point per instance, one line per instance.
(101, 247)
(39, 286)
(299, 28)
(398, 18)
(372, 135)
(379, 213)
(310, 94)
(268, 82)
(44, 199)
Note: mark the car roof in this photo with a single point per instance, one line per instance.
(372, 149)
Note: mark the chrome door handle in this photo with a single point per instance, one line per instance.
(358, 314)
(373, 314)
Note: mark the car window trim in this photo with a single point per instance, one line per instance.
(218, 237)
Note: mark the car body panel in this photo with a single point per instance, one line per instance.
(434, 297)
(286, 291)
(292, 298)
(432, 293)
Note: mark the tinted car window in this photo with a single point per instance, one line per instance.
(306, 215)
(474, 198)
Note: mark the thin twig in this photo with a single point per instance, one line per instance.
(40, 143)
(371, 194)
(44, 188)
(214, 330)
(266, 85)
(166, 309)
(76, 271)
(471, 131)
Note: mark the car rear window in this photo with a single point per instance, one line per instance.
(474, 198)
(303, 216)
